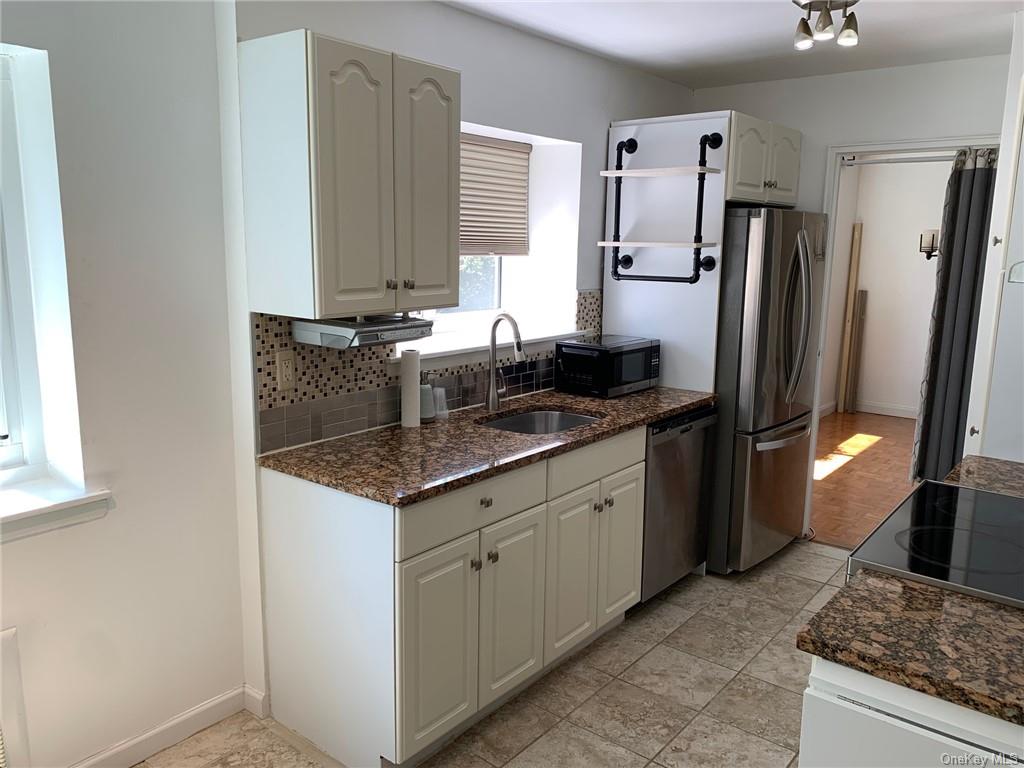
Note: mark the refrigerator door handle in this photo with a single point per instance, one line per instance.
(784, 442)
(805, 315)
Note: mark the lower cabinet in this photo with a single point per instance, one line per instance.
(437, 632)
(621, 546)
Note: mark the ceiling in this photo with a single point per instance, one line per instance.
(709, 43)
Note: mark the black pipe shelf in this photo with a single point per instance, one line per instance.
(701, 170)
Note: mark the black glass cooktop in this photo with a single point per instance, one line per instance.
(960, 538)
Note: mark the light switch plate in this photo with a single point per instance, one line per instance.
(286, 369)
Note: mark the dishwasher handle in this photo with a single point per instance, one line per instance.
(656, 438)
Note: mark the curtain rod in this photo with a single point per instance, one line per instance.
(852, 159)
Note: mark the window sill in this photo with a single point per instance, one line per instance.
(457, 349)
(38, 506)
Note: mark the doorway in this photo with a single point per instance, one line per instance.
(881, 294)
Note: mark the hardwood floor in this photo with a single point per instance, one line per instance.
(863, 462)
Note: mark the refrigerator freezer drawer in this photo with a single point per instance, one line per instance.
(769, 481)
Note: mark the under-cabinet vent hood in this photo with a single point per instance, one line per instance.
(361, 332)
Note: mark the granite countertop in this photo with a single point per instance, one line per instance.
(399, 466)
(986, 474)
(957, 647)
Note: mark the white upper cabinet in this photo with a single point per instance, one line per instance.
(350, 173)
(764, 161)
(426, 184)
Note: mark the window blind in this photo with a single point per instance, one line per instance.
(494, 201)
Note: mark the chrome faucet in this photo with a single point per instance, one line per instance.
(493, 393)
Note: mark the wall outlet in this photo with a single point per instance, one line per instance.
(286, 369)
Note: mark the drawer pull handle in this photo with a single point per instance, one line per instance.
(486, 501)
(609, 502)
(598, 506)
(493, 556)
(476, 564)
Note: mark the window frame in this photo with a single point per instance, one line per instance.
(12, 452)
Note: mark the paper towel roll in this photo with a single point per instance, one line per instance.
(410, 373)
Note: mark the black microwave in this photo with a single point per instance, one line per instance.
(609, 367)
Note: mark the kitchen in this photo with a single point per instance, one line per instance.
(330, 440)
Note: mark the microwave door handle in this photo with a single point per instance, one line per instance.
(805, 314)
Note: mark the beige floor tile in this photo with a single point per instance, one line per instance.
(781, 663)
(694, 592)
(505, 733)
(839, 580)
(795, 762)
(747, 610)
(836, 553)
(777, 586)
(821, 597)
(615, 651)
(455, 756)
(789, 631)
(708, 743)
(266, 750)
(729, 645)
(566, 687)
(228, 735)
(805, 563)
(655, 620)
(632, 717)
(569, 746)
(760, 708)
(687, 680)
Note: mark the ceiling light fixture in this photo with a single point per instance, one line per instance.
(804, 39)
(824, 28)
(849, 35)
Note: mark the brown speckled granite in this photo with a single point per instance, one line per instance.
(403, 466)
(986, 474)
(959, 648)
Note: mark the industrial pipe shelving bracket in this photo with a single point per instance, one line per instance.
(700, 263)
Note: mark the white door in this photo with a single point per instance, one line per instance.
(749, 147)
(354, 179)
(511, 602)
(570, 610)
(784, 165)
(438, 630)
(427, 122)
(621, 542)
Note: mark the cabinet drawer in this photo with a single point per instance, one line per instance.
(585, 465)
(429, 523)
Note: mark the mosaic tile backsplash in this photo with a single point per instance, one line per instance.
(339, 392)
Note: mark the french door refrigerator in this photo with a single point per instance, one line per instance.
(766, 363)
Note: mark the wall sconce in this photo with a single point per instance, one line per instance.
(929, 243)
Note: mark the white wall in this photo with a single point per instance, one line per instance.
(129, 620)
(509, 80)
(845, 215)
(949, 98)
(895, 203)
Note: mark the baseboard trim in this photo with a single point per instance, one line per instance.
(138, 748)
(826, 408)
(887, 409)
(256, 701)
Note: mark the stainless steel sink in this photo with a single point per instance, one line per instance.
(540, 422)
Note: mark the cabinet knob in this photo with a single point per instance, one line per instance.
(493, 556)
(609, 502)
(771, 184)
(598, 506)
(476, 564)
(974, 430)
(486, 501)
(391, 284)
(410, 284)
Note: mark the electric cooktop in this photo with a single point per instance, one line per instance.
(962, 539)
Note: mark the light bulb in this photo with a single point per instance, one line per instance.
(849, 34)
(803, 40)
(824, 29)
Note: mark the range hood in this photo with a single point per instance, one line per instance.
(366, 331)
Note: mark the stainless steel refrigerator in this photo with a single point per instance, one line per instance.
(768, 332)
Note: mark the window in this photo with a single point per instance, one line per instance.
(519, 231)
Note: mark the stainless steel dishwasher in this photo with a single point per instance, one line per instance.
(676, 507)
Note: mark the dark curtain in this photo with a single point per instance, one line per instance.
(946, 389)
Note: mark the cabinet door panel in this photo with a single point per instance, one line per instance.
(438, 630)
(427, 122)
(621, 543)
(749, 148)
(353, 178)
(570, 612)
(512, 602)
(784, 166)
